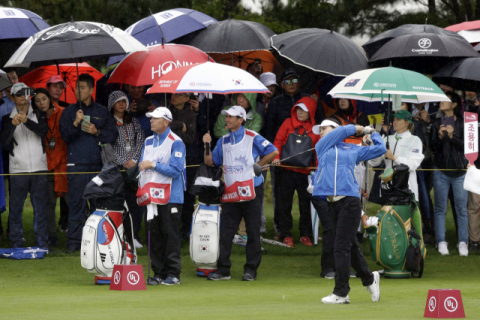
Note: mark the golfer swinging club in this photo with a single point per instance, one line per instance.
(335, 182)
(237, 151)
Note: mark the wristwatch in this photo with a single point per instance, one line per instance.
(97, 133)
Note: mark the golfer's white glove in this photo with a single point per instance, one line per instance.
(368, 130)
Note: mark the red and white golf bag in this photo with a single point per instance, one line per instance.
(105, 244)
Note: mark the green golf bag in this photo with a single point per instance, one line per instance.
(397, 240)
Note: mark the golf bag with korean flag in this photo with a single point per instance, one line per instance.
(205, 231)
(107, 237)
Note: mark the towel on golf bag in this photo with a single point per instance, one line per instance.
(208, 185)
(23, 253)
(472, 180)
(108, 187)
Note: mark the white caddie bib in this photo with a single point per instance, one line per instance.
(154, 187)
(238, 168)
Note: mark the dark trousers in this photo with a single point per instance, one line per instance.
(188, 203)
(20, 186)
(346, 218)
(136, 211)
(325, 214)
(232, 214)
(51, 205)
(78, 209)
(287, 182)
(165, 241)
(63, 221)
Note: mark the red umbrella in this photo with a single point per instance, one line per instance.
(467, 25)
(145, 68)
(38, 78)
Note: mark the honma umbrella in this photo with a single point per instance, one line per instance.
(17, 25)
(169, 24)
(38, 78)
(73, 42)
(145, 67)
(375, 43)
(462, 74)
(424, 52)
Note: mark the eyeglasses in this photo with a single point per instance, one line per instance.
(18, 94)
(293, 81)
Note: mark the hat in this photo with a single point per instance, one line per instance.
(325, 123)
(303, 106)
(56, 79)
(236, 111)
(290, 72)
(160, 112)
(402, 114)
(268, 78)
(116, 96)
(17, 87)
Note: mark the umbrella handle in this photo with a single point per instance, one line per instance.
(207, 150)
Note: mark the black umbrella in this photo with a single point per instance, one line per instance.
(4, 81)
(424, 52)
(462, 74)
(229, 36)
(375, 43)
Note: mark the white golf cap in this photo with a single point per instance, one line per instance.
(303, 106)
(160, 112)
(17, 87)
(268, 78)
(325, 123)
(236, 111)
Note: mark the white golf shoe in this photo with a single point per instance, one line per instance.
(443, 249)
(374, 288)
(334, 299)
(463, 249)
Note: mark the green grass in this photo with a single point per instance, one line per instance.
(288, 287)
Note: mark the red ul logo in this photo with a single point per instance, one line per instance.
(116, 277)
(133, 278)
(451, 304)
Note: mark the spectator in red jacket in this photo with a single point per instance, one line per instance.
(290, 179)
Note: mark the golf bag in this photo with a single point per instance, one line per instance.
(205, 231)
(107, 237)
(397, 241)
(205, 238)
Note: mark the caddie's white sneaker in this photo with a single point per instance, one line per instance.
(463, 249)
(443, 249)
(334, 299)
(374, 288)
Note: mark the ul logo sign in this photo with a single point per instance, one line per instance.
(451, 304)
(133, 278)
(116, 277)
(432, 304)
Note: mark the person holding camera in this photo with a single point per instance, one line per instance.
(83, 126)
(140, 105)
(22, 134)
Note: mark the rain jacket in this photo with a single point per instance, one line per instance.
(337, 160)
(82, 147)
(57, 157)
(254, 120)
(303, 127)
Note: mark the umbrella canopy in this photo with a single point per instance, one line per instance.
(38, 78)
(144, 68)
(462, 74)
(467, 25)
(375, 43)
(377, 84)
(4, 81)
(208, 77)
(230, 36)
(472, 36)
(244, 58)
(425, 52)
(169, 24)
(320, 50)
(73, 41)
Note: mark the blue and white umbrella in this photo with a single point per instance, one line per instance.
(174, 23)
(19, 23)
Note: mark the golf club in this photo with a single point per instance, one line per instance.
(257, 169)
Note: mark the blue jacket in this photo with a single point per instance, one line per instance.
(175, 169)
(261, 147)
(337, 160)
(82, 147)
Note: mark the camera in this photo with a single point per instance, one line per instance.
(26, 92)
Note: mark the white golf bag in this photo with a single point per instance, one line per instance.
(205, 238)
(104, 244)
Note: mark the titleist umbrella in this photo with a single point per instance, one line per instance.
(424, 52)
(375, 43)
(462, 75)
(73, 42)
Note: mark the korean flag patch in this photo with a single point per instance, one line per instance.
(178, 154)
(265, 143)
(157, 193)
(244, 191)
